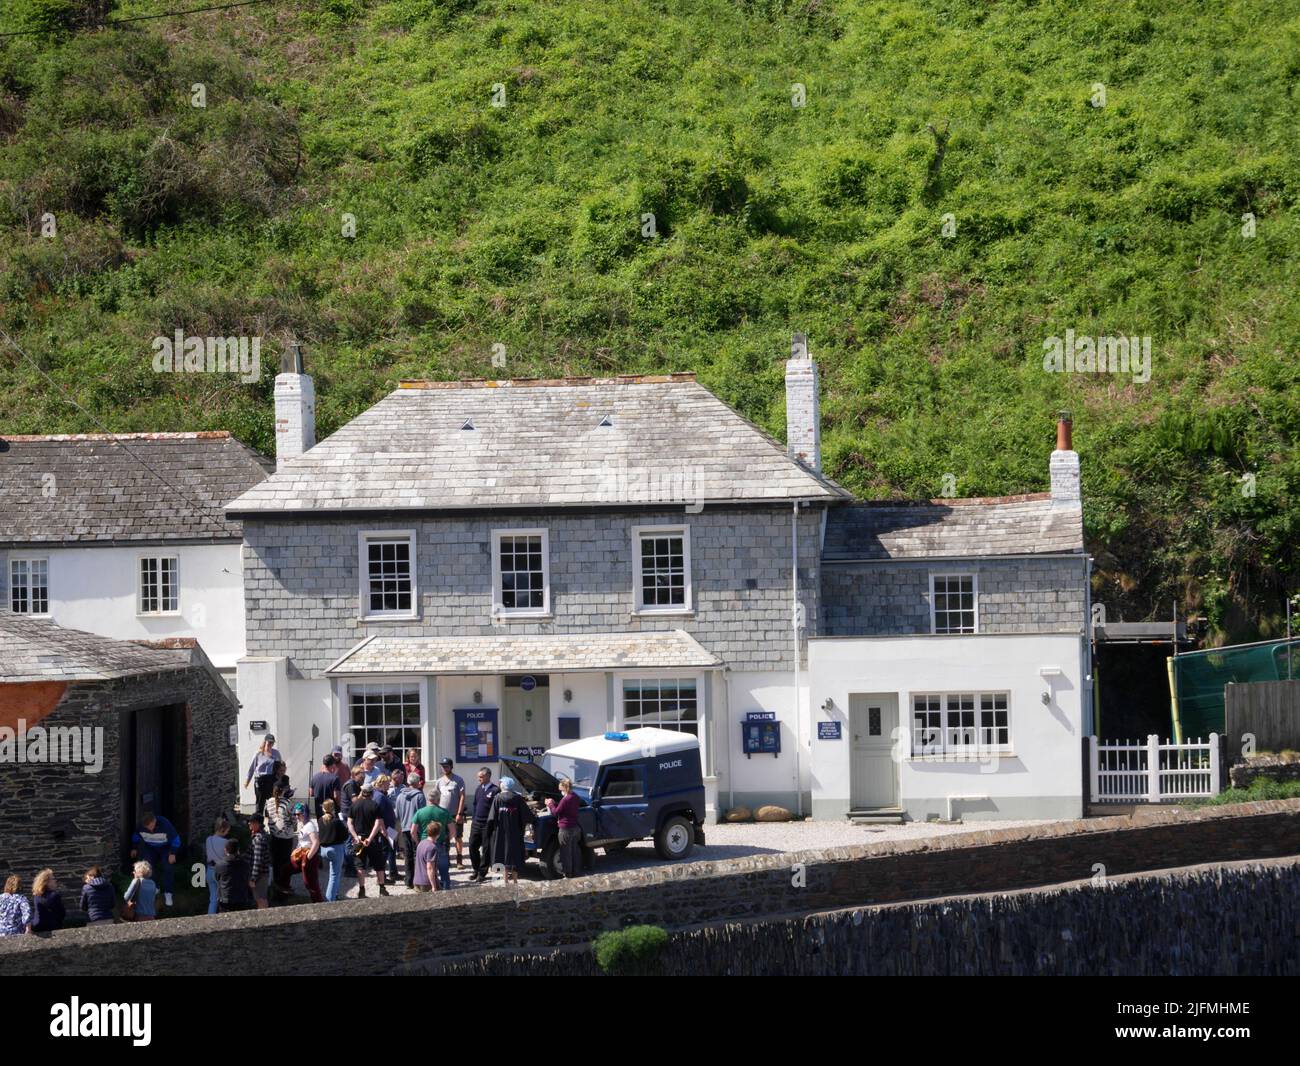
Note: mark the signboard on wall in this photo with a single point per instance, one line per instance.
(829, 730)
(476, 733)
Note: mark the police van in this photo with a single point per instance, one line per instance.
(642, 784)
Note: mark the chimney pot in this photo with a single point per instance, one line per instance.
(1064, 432)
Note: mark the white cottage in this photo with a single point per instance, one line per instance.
(123, 535)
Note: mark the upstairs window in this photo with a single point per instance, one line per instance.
(387, 575)
(29, 586)
(663, 568)
(953, 603)
(160, 590)
(520, 572)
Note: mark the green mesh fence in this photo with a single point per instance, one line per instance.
(1199, 677)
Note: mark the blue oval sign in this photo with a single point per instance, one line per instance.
(528, 683)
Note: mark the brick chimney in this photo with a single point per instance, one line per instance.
(1064, 465)
(803, 428)
(295, 408)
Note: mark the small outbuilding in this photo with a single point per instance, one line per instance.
(92, 732)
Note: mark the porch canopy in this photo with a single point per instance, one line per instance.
(543, 653)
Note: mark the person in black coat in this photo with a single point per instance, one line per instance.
(47, 903)
(509, 815)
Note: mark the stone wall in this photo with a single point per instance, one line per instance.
(57, 815)
(1273, 767)
(547, 915)
(1237, 920)
(893, 599)
(301, 581)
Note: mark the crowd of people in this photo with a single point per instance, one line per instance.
(356, 821)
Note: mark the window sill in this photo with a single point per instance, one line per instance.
(145, 614)
(372, 619)
(968, 757)
(522, 616)
(674, 612)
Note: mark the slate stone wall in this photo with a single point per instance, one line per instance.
(893, 599)
(1223, 921)
(302, 582)
(57, 815)
(542, 916)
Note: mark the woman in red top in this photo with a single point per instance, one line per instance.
(413, 764)
(566, 820)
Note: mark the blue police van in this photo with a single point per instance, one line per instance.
(643, 784)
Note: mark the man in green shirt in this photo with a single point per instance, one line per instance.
(430, 812)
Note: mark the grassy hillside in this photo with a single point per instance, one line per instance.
(522, 226)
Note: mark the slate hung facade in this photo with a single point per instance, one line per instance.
(481, 569)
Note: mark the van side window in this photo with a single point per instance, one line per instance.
(624, 782)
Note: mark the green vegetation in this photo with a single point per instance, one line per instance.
(523, 225)
(1262, 788)
(630, 952)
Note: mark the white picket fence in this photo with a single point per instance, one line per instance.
(1153, 772)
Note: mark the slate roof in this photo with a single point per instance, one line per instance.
(951, 529)
(535, 654)
(34, 649)
(101, 488)
(539, 444)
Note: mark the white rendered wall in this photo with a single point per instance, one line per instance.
(1040, 778)
(97, 590)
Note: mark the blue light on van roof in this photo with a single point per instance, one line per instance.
(616, 736)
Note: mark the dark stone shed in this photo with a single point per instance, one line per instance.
(95, 730)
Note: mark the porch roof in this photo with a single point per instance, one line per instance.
(545, 653)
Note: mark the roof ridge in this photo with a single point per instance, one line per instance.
(201, 434)
(506, 383)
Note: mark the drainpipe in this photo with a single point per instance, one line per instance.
(794, 625)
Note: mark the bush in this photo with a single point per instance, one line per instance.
(630, 952)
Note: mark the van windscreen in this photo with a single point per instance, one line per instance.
(582, 772)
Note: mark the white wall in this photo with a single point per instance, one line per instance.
(763, 778)
(97, 590)
(1040, 778)
(289, 708)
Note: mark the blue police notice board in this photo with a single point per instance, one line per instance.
(760, 734)
(829, 730)
(476, 733)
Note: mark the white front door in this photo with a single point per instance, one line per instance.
(526, 716)
(873, 773)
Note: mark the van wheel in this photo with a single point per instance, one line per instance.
(616, 847)
(675, 838)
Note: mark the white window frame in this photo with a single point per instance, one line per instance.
(639, 606)
(975, 601)
(29, 560)
(945, 747)
(139, 584)
(364, 538)
(498, 596)
(344, 706)
(644, 677)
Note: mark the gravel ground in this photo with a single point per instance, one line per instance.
(727, 841)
